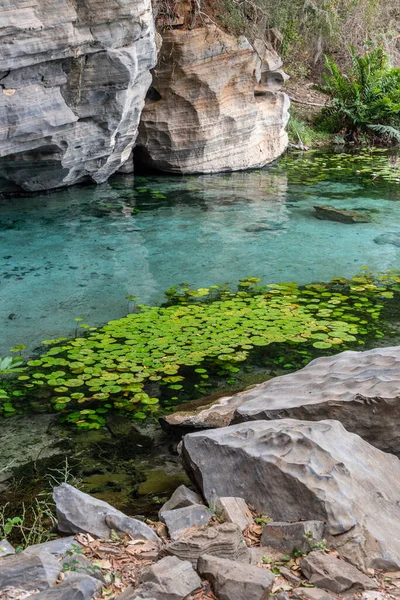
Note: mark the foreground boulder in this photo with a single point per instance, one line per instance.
(178, 521)
(77, 587)
(28, 573)
(360, 389)
(331, 573)
(224, 540)
(168, 579)
(234, 580)
(74, 77)
(78, 512)
(294, 470)
(215, 104)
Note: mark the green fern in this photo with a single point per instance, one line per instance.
(365, 100)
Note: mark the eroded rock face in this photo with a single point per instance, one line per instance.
(215, 104)
(360, 389)
(294, 470)
(73, 79)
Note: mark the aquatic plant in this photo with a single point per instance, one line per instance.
(150, 360)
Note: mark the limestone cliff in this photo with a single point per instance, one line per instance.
(73, 79)
(215, 104)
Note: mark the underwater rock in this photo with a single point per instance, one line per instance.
(232, 580)
(78, 512)
(215, 104)
(341, 215)
(393, 237)
(359, 389)
(74, 77)
(294, 470)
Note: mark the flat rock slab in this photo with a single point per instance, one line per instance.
(331, 573)
(234, 510)
(224, 540)
(302, 536)
(360, 389)
(78, 512)
(58, 547)
(293, 470)
(28, 573)
(330, 213)
(232, 580)
(218, 414)
(168, 579)
(180, 520)
(181, 498)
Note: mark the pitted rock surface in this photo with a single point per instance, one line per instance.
(215, 104)
(301, 470)
(74, 77)
(360, 389)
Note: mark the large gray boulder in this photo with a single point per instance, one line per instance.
(360, 389)
(232, 580)
(293, 470)
(28, 573)
(78, 512)
(74, 77)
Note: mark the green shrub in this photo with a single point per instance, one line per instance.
(365, 100)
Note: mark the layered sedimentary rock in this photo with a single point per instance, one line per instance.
(360, 389)
(73, 79)
(215, 104)
(293, 470)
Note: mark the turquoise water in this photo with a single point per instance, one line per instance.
(79, 252)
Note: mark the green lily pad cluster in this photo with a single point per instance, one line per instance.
(151, 360)
(368, 164)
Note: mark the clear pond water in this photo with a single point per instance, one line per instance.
(79, 252)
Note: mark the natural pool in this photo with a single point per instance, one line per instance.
(79, 252)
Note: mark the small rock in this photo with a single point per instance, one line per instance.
(224, 541)
(180, 520)
(234, 510)
(80, 587)
(312, 594)
(257, 553)
(79, 564)
(168, 579)
(29, 573)
(341, 215)
(78, 512)
(331, 573)
(181, 498)
(289, 576)
(233, 580)
(375, 595)
(218, 413)
(6, 548)
(287, 536)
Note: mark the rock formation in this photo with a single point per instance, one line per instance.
(294, 470)
(360, 389)
(73, 79)
(215, 104)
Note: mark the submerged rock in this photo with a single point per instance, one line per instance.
(74, 80)
(360, 389)
(393, 237)
(293, 470)
(341, 215)
(214, 105)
